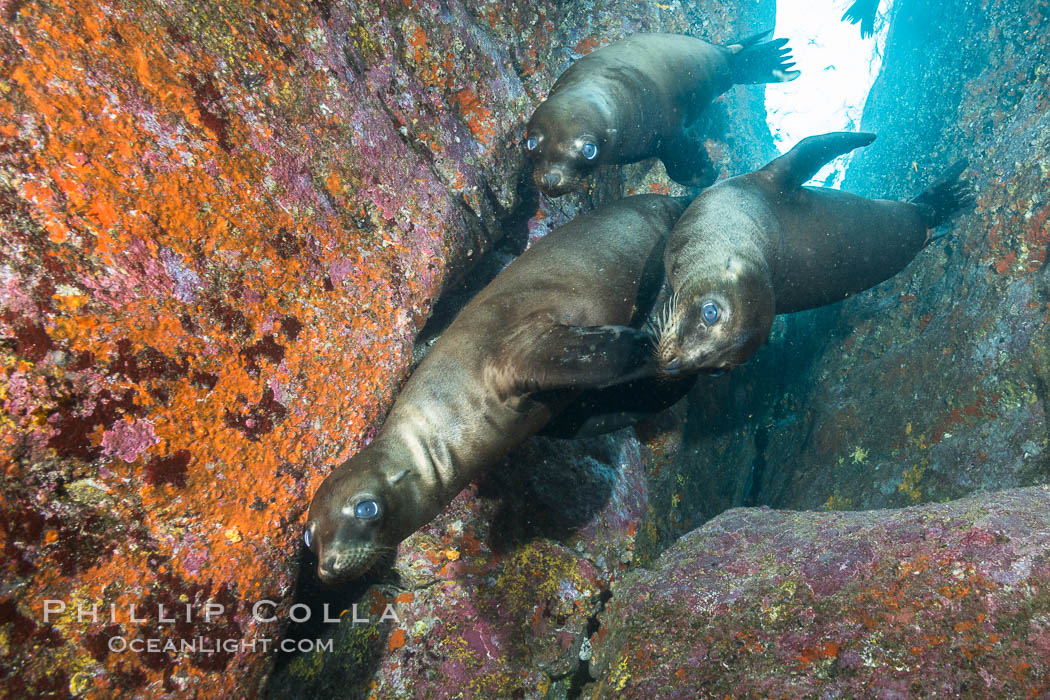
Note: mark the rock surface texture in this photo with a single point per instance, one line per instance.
(497, 597)
(941, 600)
(933, 385)
(223, 225)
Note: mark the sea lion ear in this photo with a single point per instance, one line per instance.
(398, 477)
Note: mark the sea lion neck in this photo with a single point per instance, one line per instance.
(440, 427)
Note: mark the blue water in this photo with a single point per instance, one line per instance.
(838, 68)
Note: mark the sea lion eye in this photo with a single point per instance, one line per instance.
(366, 509)
(589, 151)
(530, 143)
(709, 311)
(308, 537)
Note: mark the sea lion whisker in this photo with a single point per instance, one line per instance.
(664, 328)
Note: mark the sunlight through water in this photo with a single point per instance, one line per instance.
(838, 68)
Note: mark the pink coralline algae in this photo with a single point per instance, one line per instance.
(128, 439)
(934, 600)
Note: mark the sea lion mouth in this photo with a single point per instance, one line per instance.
(672, 368)
(555, 184)
(348, 564)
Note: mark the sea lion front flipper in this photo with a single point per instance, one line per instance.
(687, 162)
(586, 357)
(810, 154)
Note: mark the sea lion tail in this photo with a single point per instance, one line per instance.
(945, 197)
(766, 62)
(863, 12)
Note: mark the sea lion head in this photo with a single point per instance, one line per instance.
(361, 511)
(567, 139)
(714, 322)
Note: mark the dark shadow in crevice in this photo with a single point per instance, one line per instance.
(548, 489)
(758, 469)
(582, 675)
(310, 592)
(514, 224)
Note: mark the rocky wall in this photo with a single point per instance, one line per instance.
(933, 385)
(223, 225)
(941, 600)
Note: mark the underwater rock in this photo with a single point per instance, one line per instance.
(495, 596)
(933, 385)
(224, 225)
(936, 600)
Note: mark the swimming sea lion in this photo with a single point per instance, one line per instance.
(562, 318)
(863, 12)
(762, 244)
(634, 98)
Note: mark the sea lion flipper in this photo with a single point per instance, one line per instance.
(767, 62)
(600, 411)
(809, 155)
(588, 357)
(741, 44)
(687, 162)
(944, 198)
(863, 12)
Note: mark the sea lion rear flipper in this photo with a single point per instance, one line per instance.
(768, 62)
(587, 357)
(811, 154)
(863, 12)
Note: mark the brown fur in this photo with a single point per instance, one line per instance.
(761, 244)
(561, 318)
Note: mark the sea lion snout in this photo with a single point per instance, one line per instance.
(347, 564)
(553, 179)
(695, 334)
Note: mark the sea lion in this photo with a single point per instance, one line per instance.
(862, 12)
(599, 411)
(562, 318)
(761, 244)
(634, 98)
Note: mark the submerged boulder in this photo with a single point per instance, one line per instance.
(936, 600)
(932, 385)
(495, 597)
(224, 224)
